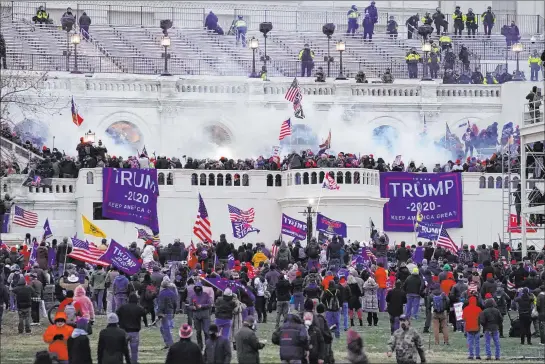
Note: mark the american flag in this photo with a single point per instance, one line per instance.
(294, 92)
(274, 251)
(25, 218)
(445, 241)
(87, 252)
(144, 235)
(329, 183)
(3, 245)
(202, 228)
(298, 108)
(76, 117)
(238, 215)
(285, 129)
(510, 285)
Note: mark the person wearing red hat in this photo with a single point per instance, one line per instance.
(470, 315)
(185, 350)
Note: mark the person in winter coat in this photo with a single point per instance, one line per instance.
(112, 343)
(84, 24)
(167, 303)
(412, 287)
(121, 290)
(211, 21)
(368, 27)
(381, 277)
(354, 302)
(4, 299)
(354, 344)
(489, 286)
(292, 337)
(283, 296)
(525, 304)
(184, 350)
(87, 309)
(130, 317)
(316, 353)
(42, 256)
(225, 306)
(540, 307)
(502, 301)
(406, 342)
(98, 286)
(57, 336)
(247, 344)
(402, 254)
(489, 320)
(283, 257)
(403, 272)
(331, 298)
(471, 316)
(79, 348)
(395, 298)
(440, 307)
(370, 301)
(23, 295)
(218, 348)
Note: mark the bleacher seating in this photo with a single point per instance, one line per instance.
(130, 42)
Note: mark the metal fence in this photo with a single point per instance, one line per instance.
(289, 19)
(203, 66)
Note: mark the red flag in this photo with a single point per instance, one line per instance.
(514, 228)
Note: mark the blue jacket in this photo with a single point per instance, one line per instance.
(368, 23)
(211, 22)
(373, 12)
(167, 302)
(120, 285)
(292, 337)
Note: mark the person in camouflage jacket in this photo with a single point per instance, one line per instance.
(406, 343)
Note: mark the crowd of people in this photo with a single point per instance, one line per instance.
(317, 291)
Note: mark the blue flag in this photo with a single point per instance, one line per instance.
(329, 226)
(428, 230)
(230, 261)
(47, 230)
(241, 229)
(418, 255)
(34, 254)
(5, 224)
(120, 257)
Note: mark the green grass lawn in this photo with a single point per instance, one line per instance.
(15, 348)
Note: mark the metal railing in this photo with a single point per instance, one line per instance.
(290, 19)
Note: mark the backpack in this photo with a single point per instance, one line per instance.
(328, 338)
(302, 254)
(334, 302)
(15, 280)
(500, 300)
(438, 303)
(70, 311)
(283, 255)
(150, 293)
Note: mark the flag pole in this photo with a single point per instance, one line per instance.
(435, 248)
(317, 207)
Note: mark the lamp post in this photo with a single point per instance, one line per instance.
(75, 39)
(265, 28)
(254, 44)
(517, 48)
(426, 48)
(165, 42)
(308, 212)
(89, 137)
(328, 30)
(340, 46)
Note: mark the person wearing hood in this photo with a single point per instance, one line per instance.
(130, 317)
(489, 286)
(470, 315)
(368, 27)
(84, 24)
(218, 348)
(167, 303)
(120, 290)
(272, 277)
(200, 304)
(502, 300)
(403, 272)
(490, 319)
(412, 287)
(259, 257)
(519, 275)
(331, 298)
(112, 343)
(525, 304)
(354, 345)
(23, 295)
(370, 301)
(440, 304)
(78, 345)
(396, 298)
(98, 285)
(292, 337)
(57, 336)
(87, 309)
(42, 256)
(225, 307)
(211, 21)
(406, 342)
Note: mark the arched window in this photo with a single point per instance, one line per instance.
(220, 179)
(194, 179)
(211, 179)
(305, 178)
(5, 188)
(340, 177)
(322, 175)
(269, 180)
(278, 180)
(237, 179)
(70, 188)
(297, 178)
(90, 178)
(202, 179)
(314, 178)
(515, 182)
(170, 179)
(490, 183)
(161, 178)
(498, 182)
(245, 180)
(506, 182)
(356, 178)
(63, 188)
(57, 189)
(228, 179)
(348, 178)
(482, 182)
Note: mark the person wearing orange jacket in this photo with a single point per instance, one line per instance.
(470, 315)
(57, 336)
(381, 277)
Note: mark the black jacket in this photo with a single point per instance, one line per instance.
(396, 298)
(412, 284)
(225, 307)
(112, 346)
(79, 350)
(24, 295)
(403, 254)
(524, 304)
(223, 249)
(283, 289)
(490, 318)
(218, 351)
(184, 351)
(131, 316)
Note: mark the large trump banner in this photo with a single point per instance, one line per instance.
(131, 195)
(438, 197)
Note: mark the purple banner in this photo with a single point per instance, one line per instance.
(438, 197)
(131, 195)
(51, 257)
(5, 224)
(120, 257)
(329, 226)
(293, 227)
(33, 254)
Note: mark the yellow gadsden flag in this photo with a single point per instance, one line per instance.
(91, 229)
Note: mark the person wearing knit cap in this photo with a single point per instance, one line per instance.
(79, 348)
(413, 286)
(217, 348)
(112, 342)
(167, 303)
(225, 307)
(354, 344)
(184, 351)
